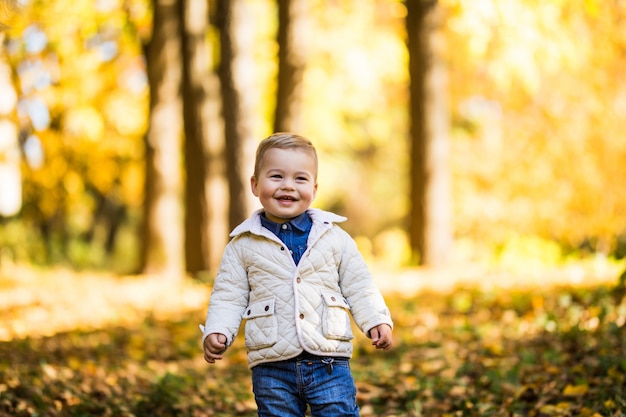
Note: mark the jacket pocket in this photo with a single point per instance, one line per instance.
(336, 317)
(261, 327)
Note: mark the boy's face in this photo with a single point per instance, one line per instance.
(286, 183)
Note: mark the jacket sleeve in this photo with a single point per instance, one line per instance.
(229, 297)
(357, 284)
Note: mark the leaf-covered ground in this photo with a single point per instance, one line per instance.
(84, 345)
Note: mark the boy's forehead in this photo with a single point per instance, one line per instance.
(280, 156)
(276, 152)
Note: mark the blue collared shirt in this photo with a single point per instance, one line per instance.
(294, 233)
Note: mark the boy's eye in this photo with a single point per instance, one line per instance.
(276, 176)
(302, 179)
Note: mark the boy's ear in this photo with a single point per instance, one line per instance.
(253, 185)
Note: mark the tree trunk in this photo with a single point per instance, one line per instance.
(196, 66)
(291, 64)
(236, 77)
(162, 235)
(430, 195)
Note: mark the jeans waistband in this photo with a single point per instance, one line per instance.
(304, 356)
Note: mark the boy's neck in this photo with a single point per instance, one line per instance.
(282, 221)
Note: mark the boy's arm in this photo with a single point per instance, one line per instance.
(367, 305)
(229, 297)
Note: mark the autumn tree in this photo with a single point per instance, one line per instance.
(291, 65)
(162, 234)
(236, 77)
(196, 63)
(540, 80)
(430, 200)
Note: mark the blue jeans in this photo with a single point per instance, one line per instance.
(283, 389)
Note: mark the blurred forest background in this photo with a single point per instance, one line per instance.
(127, 128)
(484, 136)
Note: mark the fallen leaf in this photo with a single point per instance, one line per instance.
(575, 390)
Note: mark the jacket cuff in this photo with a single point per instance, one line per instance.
(206, 332)
(369, 328)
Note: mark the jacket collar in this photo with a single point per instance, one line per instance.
(253, 223)
(301, 223)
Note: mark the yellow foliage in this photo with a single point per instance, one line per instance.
(73, 183)
(392, 248)
(127, 113)
(105, 175)
(529, 252)
(132, 177)
(592, 7)
(537, 100)
(84, 123)
(575, 390)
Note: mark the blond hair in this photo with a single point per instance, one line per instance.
(283, 140)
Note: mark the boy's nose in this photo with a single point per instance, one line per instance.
(287, 184)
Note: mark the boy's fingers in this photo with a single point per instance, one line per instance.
(384, 344)
(211, 357)
(381, 337)
(374, 334)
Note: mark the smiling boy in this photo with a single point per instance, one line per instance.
(295, 277)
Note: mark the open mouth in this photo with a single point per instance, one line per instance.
(286, 198)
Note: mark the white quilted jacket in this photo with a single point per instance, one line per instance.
(289, 308)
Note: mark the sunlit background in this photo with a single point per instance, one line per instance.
(526, 318)
(537, 99)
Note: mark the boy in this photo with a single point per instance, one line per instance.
(295, 277)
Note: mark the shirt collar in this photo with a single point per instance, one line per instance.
(301, 222)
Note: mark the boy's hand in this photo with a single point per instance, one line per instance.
(381, 336)
(214, 346)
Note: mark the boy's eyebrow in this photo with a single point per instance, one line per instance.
(305, 173)
(280, 170)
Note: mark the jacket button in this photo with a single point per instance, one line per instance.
(333, 298)
(282, 248)
(301, 316)
(267, 308)
(298, 280)
(249, 312)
